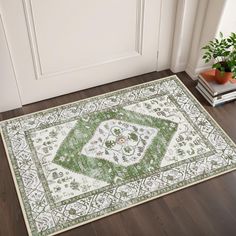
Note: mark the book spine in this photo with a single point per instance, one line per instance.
(215, 102)
(205, 92)
(200, 91)
(227, 96)
(205, 84)
(226, 99)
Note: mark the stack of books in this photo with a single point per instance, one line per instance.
(213, 92)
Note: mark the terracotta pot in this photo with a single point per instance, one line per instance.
(222, 78)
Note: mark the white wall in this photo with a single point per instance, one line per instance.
(213, 16)
(228, 19)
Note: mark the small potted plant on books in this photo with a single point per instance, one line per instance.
(223, 52)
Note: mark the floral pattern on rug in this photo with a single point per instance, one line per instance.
(119, 142)
(79, 162)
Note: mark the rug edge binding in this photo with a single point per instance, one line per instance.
(16, 185)
(142, 202)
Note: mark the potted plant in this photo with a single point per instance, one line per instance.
(223, 51)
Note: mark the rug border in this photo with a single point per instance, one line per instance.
(132, 205)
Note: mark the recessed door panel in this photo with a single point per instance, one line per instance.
(61, 46)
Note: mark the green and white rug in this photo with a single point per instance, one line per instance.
(82, 161)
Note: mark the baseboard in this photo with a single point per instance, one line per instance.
(193, 73)
(179, 68)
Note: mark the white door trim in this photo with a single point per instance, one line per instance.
(184, 28)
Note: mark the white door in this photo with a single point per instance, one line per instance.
(61, 46)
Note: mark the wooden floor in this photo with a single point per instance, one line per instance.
(207, 209)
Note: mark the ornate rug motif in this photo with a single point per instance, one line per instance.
(82, 161)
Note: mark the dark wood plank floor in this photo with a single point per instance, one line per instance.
(207, 209)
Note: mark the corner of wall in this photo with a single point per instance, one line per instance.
(209, 17)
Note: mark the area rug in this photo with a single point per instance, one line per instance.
(82, 161)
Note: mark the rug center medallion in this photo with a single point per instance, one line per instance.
(119, 142)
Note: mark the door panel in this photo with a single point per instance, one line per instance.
(77, 37)
(61, 46)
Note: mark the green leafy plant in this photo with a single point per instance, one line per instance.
(223, 51)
